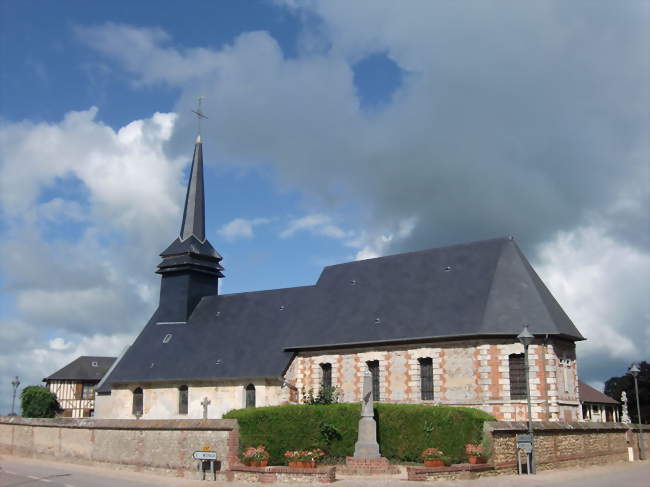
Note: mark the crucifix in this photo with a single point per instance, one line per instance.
(205, 403)
(199, 115)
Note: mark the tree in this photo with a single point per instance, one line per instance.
(616, 385)
(38, 402)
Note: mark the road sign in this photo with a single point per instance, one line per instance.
(204, 455)
(525, 438)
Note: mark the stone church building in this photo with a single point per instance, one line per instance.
(436, 326)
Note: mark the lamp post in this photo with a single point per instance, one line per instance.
(634, 371)
(15, 383)
(526, 338)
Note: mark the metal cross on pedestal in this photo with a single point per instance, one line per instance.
(205, 403)
(199, 115)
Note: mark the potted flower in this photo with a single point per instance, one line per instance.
(255, 457)
(475, 453)
(294, 459)
(432, 457)
(304, 458)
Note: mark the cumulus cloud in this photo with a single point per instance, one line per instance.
(240, 228)
(316, 224)
(73, 265)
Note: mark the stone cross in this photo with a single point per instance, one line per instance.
(625, 417)
(205, 403)
(366, 445)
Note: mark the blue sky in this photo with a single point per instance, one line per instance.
(337, 130)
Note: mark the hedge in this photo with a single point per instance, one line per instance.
(404, 430)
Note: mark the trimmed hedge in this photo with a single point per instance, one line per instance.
(404, 430)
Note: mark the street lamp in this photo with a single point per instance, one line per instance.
(15, 383)
(526, 338)
(634, 371)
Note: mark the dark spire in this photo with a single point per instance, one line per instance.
(190, 267)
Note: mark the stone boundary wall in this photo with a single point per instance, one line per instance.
(163, 446)
(282, 474)
(562, 444)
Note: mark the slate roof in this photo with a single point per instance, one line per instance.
(478, 289)
(82, 369)
(589, 394)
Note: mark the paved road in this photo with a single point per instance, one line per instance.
(20, 472)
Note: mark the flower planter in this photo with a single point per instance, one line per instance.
(295, 464)
(434, 462)
(474, 460)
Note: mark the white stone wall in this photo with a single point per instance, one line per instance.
(161, 401)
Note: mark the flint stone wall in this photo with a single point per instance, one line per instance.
(559, 444)
(165, 446)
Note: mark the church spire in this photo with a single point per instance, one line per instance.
(194, 212)
(190, 266)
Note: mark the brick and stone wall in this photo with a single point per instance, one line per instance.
(559, 444)
(165, 446)
(472, 373)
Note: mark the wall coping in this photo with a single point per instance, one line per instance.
(506, 426)
(124, 424)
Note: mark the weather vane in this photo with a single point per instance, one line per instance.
(199, 114)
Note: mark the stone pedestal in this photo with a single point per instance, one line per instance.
(367, 446)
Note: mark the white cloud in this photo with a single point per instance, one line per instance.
(240, 228)
(316, 224)
(378, 246)
(603, 285)
(88, 289)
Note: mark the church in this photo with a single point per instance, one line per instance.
(434, 327)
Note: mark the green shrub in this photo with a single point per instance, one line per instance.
(38, 402)
(404, 430)
(333, 428)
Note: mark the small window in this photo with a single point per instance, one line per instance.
(138, 402)
(373, 366)
(88, 391)
(250, 396)
(182, 399)
(517, 376)
(326, 371)
(167, 338)
(426, 379)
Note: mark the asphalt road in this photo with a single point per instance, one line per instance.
(21, 472)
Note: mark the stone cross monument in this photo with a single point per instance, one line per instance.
(625, 418)
(366, 445)
(205, 403)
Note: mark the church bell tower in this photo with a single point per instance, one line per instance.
(191, 267)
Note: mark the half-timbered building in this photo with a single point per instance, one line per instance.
(74, 385)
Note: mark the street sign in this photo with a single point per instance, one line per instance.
(526, 447)
(525, 438)
(204, 455)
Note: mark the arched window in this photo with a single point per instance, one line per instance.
(138, 402)
(426, 379)
(250, 396)
(373, 366)
(182, 399)
(326, 371)
(517, 372)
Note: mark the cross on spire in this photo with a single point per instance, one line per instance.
(199, 116)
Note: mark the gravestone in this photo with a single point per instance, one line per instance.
(205, 403)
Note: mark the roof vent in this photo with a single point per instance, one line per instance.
(218, 362)
(218, 314)
(377, 321)
(447, 268)
(151, 366)
(93, 364)
(353, 282)
(282, 307)
(167, 338)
